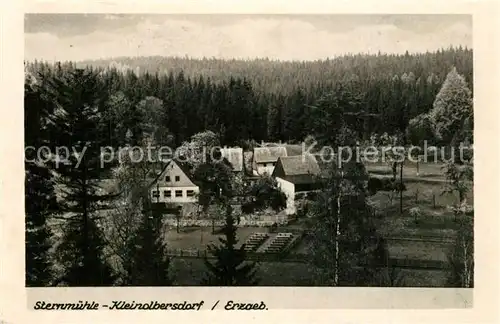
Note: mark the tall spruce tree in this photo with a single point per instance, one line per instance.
(150, 263)
(230, 267)
(274, 122)
(78, 98)
(334, 110)
(39, 197)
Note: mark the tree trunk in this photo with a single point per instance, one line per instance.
(465, 283)
(401, 189)
(337, 235)
(394, 170)
(461, 197)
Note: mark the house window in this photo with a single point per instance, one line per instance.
(167, 178)
(178, 193)
(167, 193)
(190, 193)
(156, 193)
(177, 178)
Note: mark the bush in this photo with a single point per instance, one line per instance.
(265, 193)
(312, 195)
(248, 208)
(377, 184)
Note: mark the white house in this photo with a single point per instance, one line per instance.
(265, 158)
(174, 185)
(296, 174)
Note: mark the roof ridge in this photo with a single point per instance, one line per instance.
(155, 180)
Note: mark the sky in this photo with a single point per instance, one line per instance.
(78, 37)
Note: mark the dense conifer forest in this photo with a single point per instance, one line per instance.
(263, 99)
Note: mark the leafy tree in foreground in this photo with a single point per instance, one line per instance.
(459, 180)
(343, 233)
(212, 172)
(452, 110)
(230, 267)
(461, 255)
(419, 130)
(265, 193)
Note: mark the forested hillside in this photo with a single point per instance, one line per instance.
(263, 99)
(94, 224)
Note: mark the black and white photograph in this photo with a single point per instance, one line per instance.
(331, 150)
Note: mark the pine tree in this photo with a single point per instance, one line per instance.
(392, 87)
(333, 111)
(149, 263)
(452, 108)
(39, 195)
(118, 117)
(40, 204)
(230, 267)
(150, 109)
(274, 123)
(79, 98)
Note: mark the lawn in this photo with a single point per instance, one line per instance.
(188, 272)
(418, 250)
(434, 170)
(436, 218)
(198, 237)
(422, 278)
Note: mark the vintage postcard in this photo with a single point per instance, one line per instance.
(212, 163)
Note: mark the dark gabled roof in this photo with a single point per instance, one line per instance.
(272, 151)
(268, 154)
(294, 149)
(299, 169)
(299, 165)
